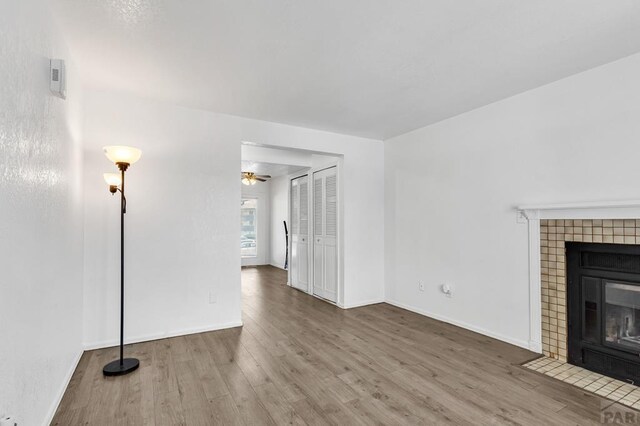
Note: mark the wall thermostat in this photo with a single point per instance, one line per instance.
(57, 78)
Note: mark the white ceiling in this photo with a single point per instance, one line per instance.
(273, 170)
(375, 68)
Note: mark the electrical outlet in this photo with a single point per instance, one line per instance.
(213, 297)
(420, 286)
(446, 289)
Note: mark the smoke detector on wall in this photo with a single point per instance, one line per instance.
(57, 77)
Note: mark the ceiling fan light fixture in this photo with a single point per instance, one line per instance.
(249, 178)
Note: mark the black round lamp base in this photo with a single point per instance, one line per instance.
(114, 368)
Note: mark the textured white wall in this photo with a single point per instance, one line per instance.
(182, 221)
(40, 216)
(183, 218)
(451, 189)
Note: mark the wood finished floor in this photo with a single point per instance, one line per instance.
(298, 360)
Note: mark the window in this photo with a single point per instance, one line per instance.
(249, 227)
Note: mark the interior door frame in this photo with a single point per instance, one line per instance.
(337, 163)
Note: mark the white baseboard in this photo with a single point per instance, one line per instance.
(535, 347)
(279, 266)
(63, 389)
(157, 336)
(521, 343)
(364, 303)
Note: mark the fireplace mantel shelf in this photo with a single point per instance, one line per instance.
(625, 209)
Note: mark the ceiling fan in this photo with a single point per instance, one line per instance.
(250, 178)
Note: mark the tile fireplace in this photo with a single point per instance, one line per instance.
(603, 308)
(555, 236)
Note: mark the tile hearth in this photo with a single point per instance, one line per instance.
(606, 387)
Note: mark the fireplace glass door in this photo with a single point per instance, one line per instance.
(622, 316)
(603, 308)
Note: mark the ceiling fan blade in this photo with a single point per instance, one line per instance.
(264, 176)
(261, 180)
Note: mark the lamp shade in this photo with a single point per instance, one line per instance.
(122, 154)
(112, 179)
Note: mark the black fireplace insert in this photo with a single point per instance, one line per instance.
(603, 302)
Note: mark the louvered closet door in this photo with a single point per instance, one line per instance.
(325, 232)
(299, 205)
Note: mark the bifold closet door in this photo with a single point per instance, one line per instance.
(299, 205)
(325, 233)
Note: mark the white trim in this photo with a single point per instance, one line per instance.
(363, 303)
(340, 237)
(317, 296)
(63, 389)
(534, 213)
(535, 347)
(461, 324)
(582, 205)
(585, 210)
(158, 336)
(535, 283)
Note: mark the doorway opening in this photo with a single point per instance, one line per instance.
(291, 216)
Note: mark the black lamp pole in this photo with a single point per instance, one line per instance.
(123, 365)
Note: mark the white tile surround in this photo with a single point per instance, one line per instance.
(606, 387)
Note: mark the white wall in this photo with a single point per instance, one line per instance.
(182, 221)
(279, 202)
(261, 191)
(183, 215)
(289, 157)
(451, 188)
(260, 154)
(40, 217)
